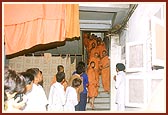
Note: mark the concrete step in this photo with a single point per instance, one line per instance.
(102, 99)
(98, 109)
(101, 89)
(99, 106)
(102, 103)
(103, 94)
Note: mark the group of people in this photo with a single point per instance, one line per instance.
(98, 65)
(73, 93)
(24, 91)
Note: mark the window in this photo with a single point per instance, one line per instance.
(158, 39)
(135, 56)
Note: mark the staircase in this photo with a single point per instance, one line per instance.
(106, 102)
(102, 101)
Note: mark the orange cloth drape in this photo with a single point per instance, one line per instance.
(27, 25)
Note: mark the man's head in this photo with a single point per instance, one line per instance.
(120, 67)
(60, 76)
(60, 68)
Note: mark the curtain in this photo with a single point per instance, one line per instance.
(27, 25)
(67, 66)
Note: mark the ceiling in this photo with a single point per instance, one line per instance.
(103, 16)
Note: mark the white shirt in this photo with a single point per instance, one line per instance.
(56, 97)
(14, 106)
(120, 86)
(71, 99)
(37, 99)
(10, 106)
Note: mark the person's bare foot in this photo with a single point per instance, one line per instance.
(92, 105)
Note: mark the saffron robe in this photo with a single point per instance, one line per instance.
(105, 72)
(93, 85)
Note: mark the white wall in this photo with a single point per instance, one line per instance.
(139, 30)
(139, 22)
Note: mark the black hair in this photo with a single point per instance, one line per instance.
(60, 76)
(120, 66)
(33, 71)
(28, 77)
(82, 64)
(9, 81)
(79, 69)
(20, 84)
(76, 82)
(59, 66)
(41, 83)
(13, 82)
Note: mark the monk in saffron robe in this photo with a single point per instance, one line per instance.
(91, 41)
(105, 71)
(92, 50)
(93, 86)
(88, 41)
(100, 46)
(96, 59)
(85, 40)
(89, 51)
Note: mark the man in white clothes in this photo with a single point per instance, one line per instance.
(71, 95)
(37, 99)
(120, 86)
(56, 97)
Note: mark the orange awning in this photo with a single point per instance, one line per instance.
(27, 25)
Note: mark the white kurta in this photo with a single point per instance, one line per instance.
(56, 97)
(71, 99)
(120, 87)
(12, 104)
(37, 99)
